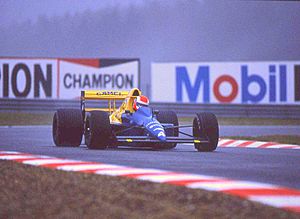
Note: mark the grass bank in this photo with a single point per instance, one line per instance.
(34, 192)
(248, 121)
(27, 118)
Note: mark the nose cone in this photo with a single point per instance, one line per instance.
(155, 129)
(162, 136)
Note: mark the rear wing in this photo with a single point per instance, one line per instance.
(103, 95)
(110, 96)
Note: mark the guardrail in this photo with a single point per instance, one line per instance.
(227, 110)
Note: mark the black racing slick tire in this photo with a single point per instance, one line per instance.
(67, 127)
(171, 118)
(98, 131)
(205, 125)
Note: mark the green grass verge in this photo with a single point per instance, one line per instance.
(283, 139)
(27, 118)
(248, 121)
(35, 192)
(24, 118)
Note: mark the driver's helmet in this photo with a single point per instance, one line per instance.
(140, 101)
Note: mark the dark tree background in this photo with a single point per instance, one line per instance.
(160, 31)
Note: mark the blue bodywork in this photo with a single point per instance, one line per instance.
(144, 117)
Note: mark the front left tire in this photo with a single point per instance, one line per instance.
(205, 125)
(98, 131)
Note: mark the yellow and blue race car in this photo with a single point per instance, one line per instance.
(133, 123)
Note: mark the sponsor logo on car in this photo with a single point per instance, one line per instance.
(102, 93)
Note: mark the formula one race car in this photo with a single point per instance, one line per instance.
(129, 125)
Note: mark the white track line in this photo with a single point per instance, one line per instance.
(277, 201)
(128, 171)
(173, 177)
(227, 185)
(84, 167)
(41, 161)
(254, 144)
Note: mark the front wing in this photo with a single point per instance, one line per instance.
(148, 139)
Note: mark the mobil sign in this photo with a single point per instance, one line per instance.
(227, 82)
(64, 78)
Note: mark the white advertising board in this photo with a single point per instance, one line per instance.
(58, 78)
(28, 78)
(227, 82)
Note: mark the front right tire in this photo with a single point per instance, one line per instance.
(171, 118)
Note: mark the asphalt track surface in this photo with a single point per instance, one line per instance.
(274, 166)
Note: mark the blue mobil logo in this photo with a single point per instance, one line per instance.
(275, 84)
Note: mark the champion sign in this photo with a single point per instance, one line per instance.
(64, 78)
(238, 83)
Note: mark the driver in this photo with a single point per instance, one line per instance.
(140, 101)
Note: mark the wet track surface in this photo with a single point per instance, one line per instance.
(275, 166)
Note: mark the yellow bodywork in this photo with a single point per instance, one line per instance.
(111, 96)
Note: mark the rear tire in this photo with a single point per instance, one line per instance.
(205, 125)
(98, 131)
(168, 117)
(67, 127)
